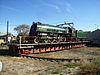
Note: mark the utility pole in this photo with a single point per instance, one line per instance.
(7, 32)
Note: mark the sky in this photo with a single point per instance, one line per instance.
(85, 14)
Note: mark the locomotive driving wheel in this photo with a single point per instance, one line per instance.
(36, 40)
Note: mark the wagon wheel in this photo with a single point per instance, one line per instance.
(36, 40)
(46, 40)
(54, 41)
(63, 39)
(59, 39)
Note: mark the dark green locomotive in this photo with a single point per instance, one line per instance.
(49, 33)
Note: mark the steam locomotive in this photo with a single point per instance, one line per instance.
(45, 33)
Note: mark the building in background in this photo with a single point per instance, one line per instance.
(95, 37)
(3, 37)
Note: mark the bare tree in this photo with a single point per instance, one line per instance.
(22, 30)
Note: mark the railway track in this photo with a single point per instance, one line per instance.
(70, 60)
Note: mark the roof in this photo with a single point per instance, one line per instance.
(2, 34)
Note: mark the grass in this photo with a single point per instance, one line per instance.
(59, 69)
(37, 70)
(89, 48)
(70, 65)
(93, 65)
(91, 68)
(55, 72)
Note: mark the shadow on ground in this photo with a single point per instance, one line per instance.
(4, 52)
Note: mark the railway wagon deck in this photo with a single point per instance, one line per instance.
(24, 49)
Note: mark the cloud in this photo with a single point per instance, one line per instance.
(57, 8)
(10, 8)
(68, 7)
(68, 10)
(58, 5)
(44, 3)
(68, 4)
(65, 4)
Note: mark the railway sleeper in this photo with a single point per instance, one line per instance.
(60, 60)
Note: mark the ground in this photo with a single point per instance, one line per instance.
(25, 66)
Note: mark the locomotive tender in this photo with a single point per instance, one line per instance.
(46, 33)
